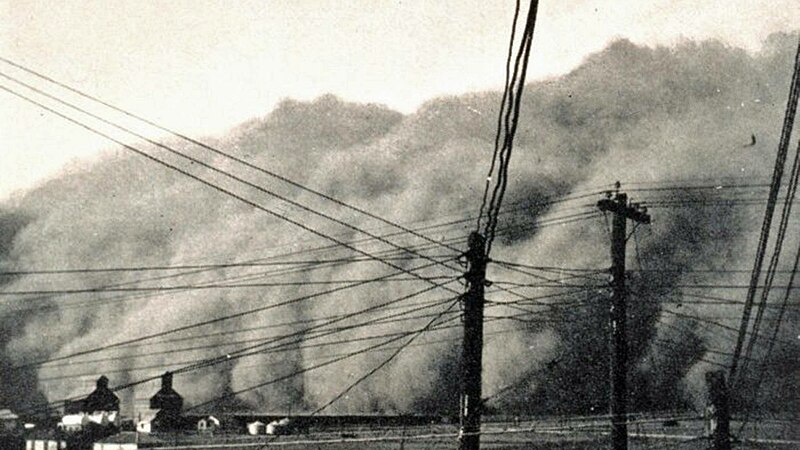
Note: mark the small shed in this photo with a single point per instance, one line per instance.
(209, 423)
(145, 424)
(8, 420)
(278, 427)
(256, 428)
(104, 418)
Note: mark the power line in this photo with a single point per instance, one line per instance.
(780, 162)
(514, 90)
(213, 286)
(506, 92)
(212, 185)
(379, 321)
(161, 367)
(214, 169)
(240, 330)
(190, 267)
(291, 346)
(374, 370)
(771, 342)
(242, 352)
(224, 154)
(205, 323)
(297, 372)
(714, 323)
(460, 239)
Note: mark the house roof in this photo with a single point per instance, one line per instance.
(210, 419)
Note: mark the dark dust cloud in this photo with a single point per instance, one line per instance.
(628, 113)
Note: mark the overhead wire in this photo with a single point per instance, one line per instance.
(212, 185)
(777, 175)
(794, 177)
(212, 168)
(222, 153)
(160, 334)
(386, 361)
(167, 366)
(459, 239)
(297, 372)
(206, 322)
(304, 334)
(503, 102)
(393, 319)
(764, 363)
(301, 343)
(514, 90)
(251, 350)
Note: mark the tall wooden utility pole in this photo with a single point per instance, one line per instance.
(622, 212)
(472, 357)
(718, 413)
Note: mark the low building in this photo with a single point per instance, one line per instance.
(256, 428)
(8, 421)
(279, 427)
(45, 444)
(128, 441)
(208, 424)
(73, 423)
(145, 424)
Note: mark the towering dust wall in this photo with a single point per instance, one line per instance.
(629, 113)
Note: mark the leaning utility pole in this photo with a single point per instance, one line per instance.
(472, 358)
(622, 212)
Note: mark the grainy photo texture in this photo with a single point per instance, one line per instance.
(399, 224)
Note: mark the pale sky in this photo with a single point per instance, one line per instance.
(201, 66)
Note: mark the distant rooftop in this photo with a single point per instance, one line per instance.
(6, 414)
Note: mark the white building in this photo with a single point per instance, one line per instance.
(256, 428)
(8, 420)
(145, 424)
(77, 422)
(73, 422)
(128, 441)
(44, 444)
(278, 427)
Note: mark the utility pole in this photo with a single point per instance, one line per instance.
(472, 356)
(622, 212)
(718, 411)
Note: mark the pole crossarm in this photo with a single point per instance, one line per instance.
(629, 211)
(622, 211)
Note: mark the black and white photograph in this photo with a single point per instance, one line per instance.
(399, 224)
